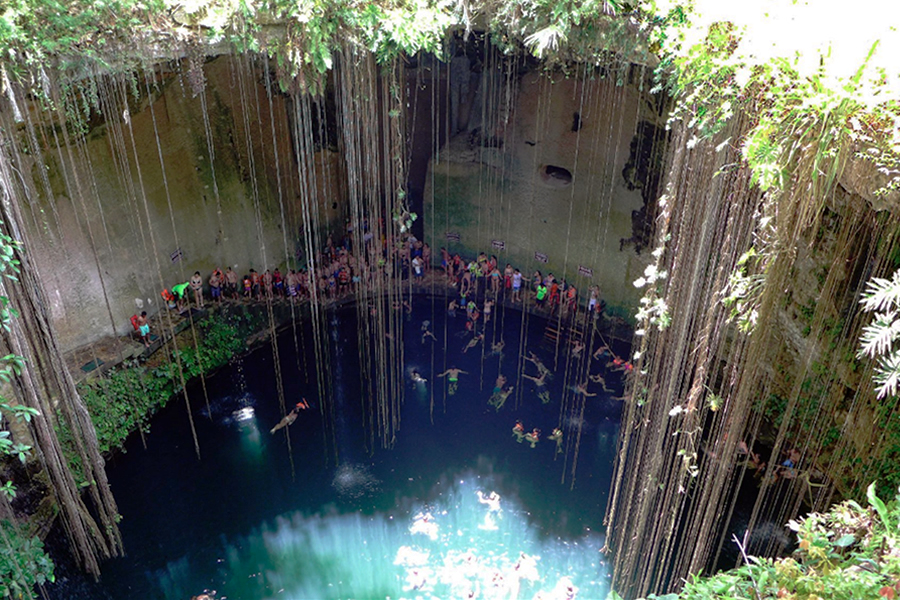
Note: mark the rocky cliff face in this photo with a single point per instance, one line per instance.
(194, 166)
(550, 172)
(166, 183)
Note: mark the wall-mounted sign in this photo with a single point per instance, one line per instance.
(498, 244)
(541, 258)
(452, 237)
(582, 270)
(177, 255)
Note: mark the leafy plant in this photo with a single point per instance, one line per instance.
(126, 399)
(879, 338)
(744, 291)
(23, 562)
(847, 553)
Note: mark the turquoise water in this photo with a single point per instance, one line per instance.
(253, 520)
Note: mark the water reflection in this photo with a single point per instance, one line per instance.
(437, 548)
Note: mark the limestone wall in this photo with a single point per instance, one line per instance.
(544, 164)
(520, 167)
(113, 223)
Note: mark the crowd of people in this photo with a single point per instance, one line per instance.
(337, 271)
(476, 286)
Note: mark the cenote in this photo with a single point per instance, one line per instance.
(255, 519)
(652, 249)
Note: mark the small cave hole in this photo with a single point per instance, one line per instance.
(554, 176)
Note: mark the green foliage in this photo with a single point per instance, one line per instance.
(879, 339)
(23, 563)
(654, 312)
(744, 291)
(848, 553)
(127, 397)
(590, 31)
(38, 29)
(111, 33)
(803, 127)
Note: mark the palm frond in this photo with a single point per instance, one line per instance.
(545, 41)
(878, 337)
(882, 294)
(887, 375)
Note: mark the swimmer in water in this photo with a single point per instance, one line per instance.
(492, 500)
(424, 523)
(416, 377)
(426, 331)
(452, 375)
(519, 431)
(582, 389)
(497, 347)
(577, 348)
(537, 362)
(533, 437)
(291, 416)
(601, 351)
(556, 435)
(598, 378)
(493, 503)
(473, 342)
(498, 399)
(541, 384)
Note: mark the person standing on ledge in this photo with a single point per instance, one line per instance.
(540, 294)
(197, 286)
(231, 283)
(215, 285)
(144, 328)
(180, 292)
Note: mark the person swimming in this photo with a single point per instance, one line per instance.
(541, 385)
(416, 377)
(498, 398)
(542, 369)
(291, 416)
(473, 342)
(452, 375)
(424, 523)
(426, 331)
(533, 437)
(581, 388)
(598, 378)
(556, 436)
(519, 431)
(493, 503)
(577, 348)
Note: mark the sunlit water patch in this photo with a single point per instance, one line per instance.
(355, 481)
(460, 543)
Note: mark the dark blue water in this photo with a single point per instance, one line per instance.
(248, 522)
